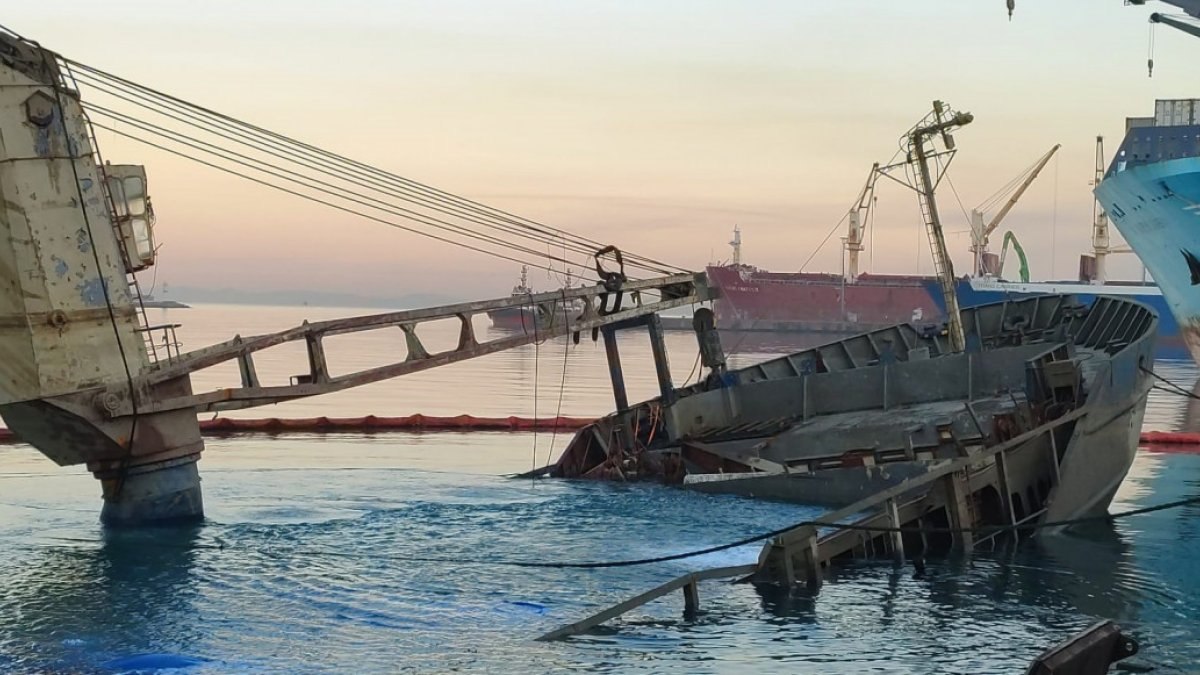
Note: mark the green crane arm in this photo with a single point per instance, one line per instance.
(1010, 239)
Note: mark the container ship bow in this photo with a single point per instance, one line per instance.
(1152, 194)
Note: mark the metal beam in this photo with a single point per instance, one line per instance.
(675, 291)
(1186, 26)
(652, 594)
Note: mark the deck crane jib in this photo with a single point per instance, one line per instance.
(1188, 22)
(856, 220)
(987, 263)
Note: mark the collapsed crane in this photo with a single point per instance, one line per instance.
(921, 148)
(84, 379)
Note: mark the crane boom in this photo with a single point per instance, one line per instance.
(981, 232)
(1012, 201)
(856, 217)
(1192, 7)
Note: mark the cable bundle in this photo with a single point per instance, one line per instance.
(221, 142)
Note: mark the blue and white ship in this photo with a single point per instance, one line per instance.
(1152, 194)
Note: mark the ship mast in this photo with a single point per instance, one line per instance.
(736, 243)
(920, 144)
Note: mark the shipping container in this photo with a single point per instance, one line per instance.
(1176, 112)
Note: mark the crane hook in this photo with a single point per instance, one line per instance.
(1150, 50)
(1012, 4)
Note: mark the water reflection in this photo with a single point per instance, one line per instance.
(82, 602)
(1189, 419)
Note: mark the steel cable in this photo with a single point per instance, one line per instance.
(358, 167)
(312, 183)
(355, 178)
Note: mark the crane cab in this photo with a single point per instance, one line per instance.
(133, 217)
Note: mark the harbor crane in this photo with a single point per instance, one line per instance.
(980, 232)
(856, 219)
(1186, 23)
(85, 378)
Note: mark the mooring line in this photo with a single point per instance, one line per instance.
(1178, 389)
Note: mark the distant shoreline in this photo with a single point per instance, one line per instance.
(164, 304)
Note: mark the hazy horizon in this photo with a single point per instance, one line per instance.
(654, 126)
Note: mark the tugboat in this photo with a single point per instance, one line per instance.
(516, 318)
(528, 319)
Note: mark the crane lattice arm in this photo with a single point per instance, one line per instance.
(857, 217)
(980, 232)
(562, 312)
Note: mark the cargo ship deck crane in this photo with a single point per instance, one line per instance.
(1101, 243)
(980, 232)
(856, 219)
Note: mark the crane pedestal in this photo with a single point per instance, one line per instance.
(158, 493)
(146, 464)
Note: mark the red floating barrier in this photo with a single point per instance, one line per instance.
(1170, 438)
(1171, 441)
(275, 425)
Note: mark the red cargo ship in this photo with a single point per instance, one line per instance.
(753, 299)
(805, 302)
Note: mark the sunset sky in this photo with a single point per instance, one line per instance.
(656, 126)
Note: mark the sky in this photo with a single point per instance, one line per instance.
(654, 125)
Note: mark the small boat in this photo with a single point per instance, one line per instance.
(531, 318)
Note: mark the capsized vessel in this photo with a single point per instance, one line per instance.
(836, 423)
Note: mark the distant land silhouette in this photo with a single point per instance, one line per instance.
(240, 296)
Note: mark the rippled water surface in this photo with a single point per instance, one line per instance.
(353, 553)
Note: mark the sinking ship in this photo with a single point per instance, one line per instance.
(836, 423)
(1030, 408)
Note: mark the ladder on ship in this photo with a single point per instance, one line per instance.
(942, 265)
(920, 142)
(170, 343)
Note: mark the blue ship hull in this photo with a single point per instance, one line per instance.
(1170, 345)
(1156, 208)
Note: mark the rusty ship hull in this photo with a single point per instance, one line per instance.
(1064, 381)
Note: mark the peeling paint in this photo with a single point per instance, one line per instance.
(82, 241)
(41, 142)
(92, 292)
(60, 267)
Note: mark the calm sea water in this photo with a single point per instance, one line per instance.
(314, 557)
